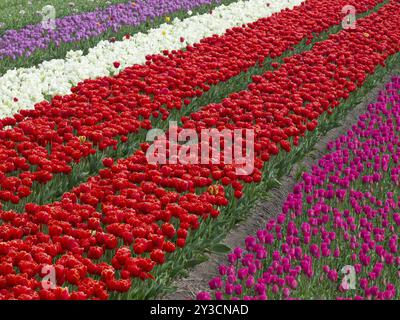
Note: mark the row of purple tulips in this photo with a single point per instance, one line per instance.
(83, 26)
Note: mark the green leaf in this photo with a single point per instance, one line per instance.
(195, 262)
(221, 248)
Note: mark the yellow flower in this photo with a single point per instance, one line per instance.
(168, 19)
(164, 32)
(82, 139)
(213, 190)
(366, 34)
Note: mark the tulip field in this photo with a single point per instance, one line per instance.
(344, 210)
(86, 213)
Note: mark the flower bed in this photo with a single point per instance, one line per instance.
(18, 15)
(337, 234)
(57, 76)
(23, 42)
(102, 113)
(120, 224)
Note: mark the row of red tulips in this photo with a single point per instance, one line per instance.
(120, 224)
(51, 138)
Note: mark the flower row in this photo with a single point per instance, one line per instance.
(23, 88)
(120, 224)
(32, 12)
(25, 41)
(338, 232)
(100, 113)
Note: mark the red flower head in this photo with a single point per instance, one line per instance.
(108, 162)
